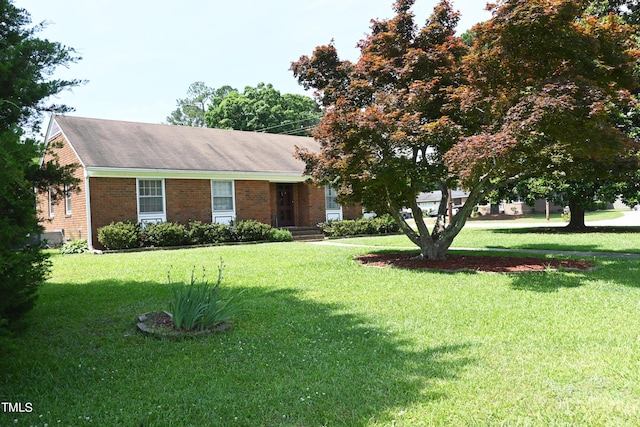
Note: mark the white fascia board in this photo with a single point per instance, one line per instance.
(100, 172)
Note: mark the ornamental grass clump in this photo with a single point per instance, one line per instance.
(201, 305)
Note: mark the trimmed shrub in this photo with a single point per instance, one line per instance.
(202, 233)
(353, 227)
(120, 235)
(163, 234)
(74, 247)
(128, 235)
(250, 230)
(278, 235)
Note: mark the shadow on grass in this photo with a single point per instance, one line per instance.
(565, 230)
(616, 272)
(548, 281)
(290, 360)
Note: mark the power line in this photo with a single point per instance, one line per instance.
(295, 131)
(288, 123)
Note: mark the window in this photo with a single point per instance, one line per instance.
(67, 199)
(332, 207)
(52, 202)
(151, 200)
(330, 199)
(222, 193)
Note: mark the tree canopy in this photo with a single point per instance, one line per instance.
(26, 66)
(261, 108)
(539, 93)
(191, 110)
(550, 84)
(389, 121)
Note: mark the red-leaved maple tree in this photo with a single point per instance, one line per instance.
(388, 120)
(420, 111)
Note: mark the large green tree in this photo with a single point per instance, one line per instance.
(550, 83)
(26, 67)
(263, 108)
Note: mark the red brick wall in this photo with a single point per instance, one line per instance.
(112, 200)
(75, 223)
(253, 201)
(311, 203)
(188, 200)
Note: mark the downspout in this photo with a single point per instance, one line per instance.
(88, 210)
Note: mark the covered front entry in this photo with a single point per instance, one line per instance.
(284, 202)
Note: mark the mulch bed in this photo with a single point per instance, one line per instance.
(488, 263)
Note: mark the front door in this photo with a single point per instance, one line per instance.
(285, 205)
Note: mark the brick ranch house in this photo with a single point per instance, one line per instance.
(151, 172)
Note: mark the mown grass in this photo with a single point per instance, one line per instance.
(558, 217)
(326, 341)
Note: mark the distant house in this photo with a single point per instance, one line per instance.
(430, 201)
(152, 173)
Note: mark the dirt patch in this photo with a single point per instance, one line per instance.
(497, 264)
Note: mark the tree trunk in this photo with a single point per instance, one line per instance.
(435, 251)
(576, 222)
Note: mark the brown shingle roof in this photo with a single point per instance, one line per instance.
(129, 145)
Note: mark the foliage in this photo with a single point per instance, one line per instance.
(352, 227)
(120, 235)
(201, 306)
(164, 234)
(553, 108)
(250, 231)
(208, 233)
(130, 235)
(75, 247)
(280, 235)
(629, 10)
(260, 108)
(25, 87)
(23, 272)
(389, 119)
(191, 110)
(263, 108)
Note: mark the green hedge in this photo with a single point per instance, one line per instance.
(384, 224)
(128, 235)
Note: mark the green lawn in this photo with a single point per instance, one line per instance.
(326, 341)
(559, 218)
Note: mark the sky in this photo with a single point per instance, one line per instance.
(140, 56)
